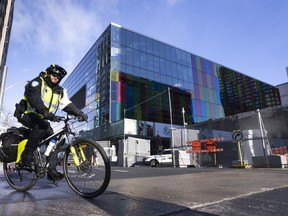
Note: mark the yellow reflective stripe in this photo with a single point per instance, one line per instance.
(48, 97)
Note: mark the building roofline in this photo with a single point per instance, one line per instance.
(221, 65)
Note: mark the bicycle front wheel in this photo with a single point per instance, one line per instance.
(19, 178)
(90, 175)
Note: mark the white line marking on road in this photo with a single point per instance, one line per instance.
(121, 170)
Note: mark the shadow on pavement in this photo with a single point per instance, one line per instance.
(121, 204)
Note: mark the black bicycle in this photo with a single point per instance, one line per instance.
(85, 164)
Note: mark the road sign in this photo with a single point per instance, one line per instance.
(237, 135)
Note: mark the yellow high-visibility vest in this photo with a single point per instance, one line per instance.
(51, 100)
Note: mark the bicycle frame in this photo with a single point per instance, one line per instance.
(66, 130)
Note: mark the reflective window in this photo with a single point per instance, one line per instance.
(155, 45)
(136, 41)
(149, 46)
(129, 56)
(129, 38)
(142, 43)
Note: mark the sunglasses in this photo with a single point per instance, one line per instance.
(57, 75)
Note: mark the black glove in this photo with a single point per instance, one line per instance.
(82, 117)
(73, 110)
(50, 116)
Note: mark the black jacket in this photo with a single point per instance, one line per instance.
(33, 92)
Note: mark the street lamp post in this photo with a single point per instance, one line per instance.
(184, 128)
(183, 114)
(171, 129)
(124, 114)
(2, 87)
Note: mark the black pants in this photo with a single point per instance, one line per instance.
(40, 129)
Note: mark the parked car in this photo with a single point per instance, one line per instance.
(164, 158)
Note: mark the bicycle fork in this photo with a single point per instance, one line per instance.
(75, 156)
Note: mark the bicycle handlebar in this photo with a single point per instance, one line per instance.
(69, 117)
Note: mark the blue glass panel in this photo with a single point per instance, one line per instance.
(216, 111)
(196, 92)
(206, 94)
(204, 79)
(163, 79)
(168, 67)
(169, 80)
(144, 73)
(123, 68)
(185, 74)
(136, 41)
(129, 69)
(150, 75)
(179, 72)
(129, 56)
(149, 46)
(129, 38)
(217, 85)
(168, 52)
(150, 62)
(142, 45)
(173, 54)
(178, 56)
(208, 112)
(212, 111)
(195, 76)
(203, 108)
(207, 67)
(113, 96)
(155, 45)
(115, 34)
(201, 92)
(162, 50)
(156, 64)
(193, 106)
(137, 71)
(193, 61)
(114, 86)
(174, 69)
(114, 112)
(162, 66)
(143, 60)
(157, 77)
(198, 63)
(122, 36)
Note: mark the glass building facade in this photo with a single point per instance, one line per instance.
(129, 75)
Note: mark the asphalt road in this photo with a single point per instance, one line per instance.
(159, 191)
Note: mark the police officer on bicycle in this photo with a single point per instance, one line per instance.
(40, 102)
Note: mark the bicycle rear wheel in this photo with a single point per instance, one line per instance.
(92, 176)
(19, 178)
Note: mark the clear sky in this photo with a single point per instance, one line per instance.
(249, 36)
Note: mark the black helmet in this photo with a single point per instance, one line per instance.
(56, 70)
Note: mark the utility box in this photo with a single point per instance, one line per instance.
(277, 161)
(184, 159)
(132, 151)
(259, 162)
(111, 153)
